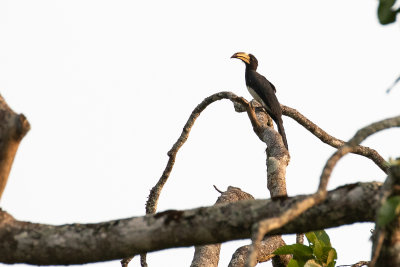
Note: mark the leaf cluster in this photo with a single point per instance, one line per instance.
(319, 252)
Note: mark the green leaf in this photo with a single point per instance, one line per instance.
(386, 14)
(311, 237)
(295, 263)
(331, 257)
(318, 251)
(323, 237)
(299, 251)
(388, 211)
(319, 236)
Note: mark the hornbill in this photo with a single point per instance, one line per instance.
(263, 91)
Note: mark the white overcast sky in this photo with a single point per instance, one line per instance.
(108, 85)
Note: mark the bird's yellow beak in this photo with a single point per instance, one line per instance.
(243, 56)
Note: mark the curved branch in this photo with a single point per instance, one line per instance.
(333, 141)
(151, 204)
(351, 145)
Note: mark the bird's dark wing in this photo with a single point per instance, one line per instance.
(266, 91)
(273, 86)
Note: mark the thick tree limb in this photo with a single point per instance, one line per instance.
(277, 160)
(24, 242)
(13, 127)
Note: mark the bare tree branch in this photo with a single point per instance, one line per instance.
(333, 141)
(151, 205)
(360, 136)
(40, 244)
(358, 264)
(393, 84)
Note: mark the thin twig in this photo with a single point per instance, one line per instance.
(358, 264)
(360, 136)
(378, 247)
(219, 191)
(333, 141)
(395, 82)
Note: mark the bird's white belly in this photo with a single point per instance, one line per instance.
(255, 95)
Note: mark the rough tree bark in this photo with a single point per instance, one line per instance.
(40, 244)
(209, 255)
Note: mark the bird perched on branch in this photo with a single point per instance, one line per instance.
(263, 91)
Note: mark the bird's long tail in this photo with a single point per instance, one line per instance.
(281, 131)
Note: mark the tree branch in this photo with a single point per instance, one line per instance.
(351, 145)
(333, 141)
(25, 242)
(265, 253)
(208, 255)
(151, 205)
